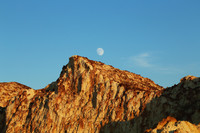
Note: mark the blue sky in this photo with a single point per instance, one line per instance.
(158, 39)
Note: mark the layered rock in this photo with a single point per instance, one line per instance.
(90, 96)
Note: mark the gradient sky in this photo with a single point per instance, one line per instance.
(158, 39)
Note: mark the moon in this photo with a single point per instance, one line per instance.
(100, 51)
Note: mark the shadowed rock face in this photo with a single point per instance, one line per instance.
(90, 96)
(176, 109)
(182, 102)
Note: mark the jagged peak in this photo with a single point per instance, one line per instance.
(80, 59)
(77, 63)
(90, 96)
(82, 67)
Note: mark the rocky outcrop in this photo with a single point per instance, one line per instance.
(86, 96)
(9, 90)
(181, 102)
(176, 109)
(170, 124)
(90, 96)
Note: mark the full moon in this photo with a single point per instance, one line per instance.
(100, 51)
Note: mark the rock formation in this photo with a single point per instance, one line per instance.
(90, 96)
(176, 109)
(9, 90)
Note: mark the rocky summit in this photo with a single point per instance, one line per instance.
(90, 96)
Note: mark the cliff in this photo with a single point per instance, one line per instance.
(90, 96)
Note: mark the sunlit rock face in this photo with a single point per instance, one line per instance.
(90, 96)
(170, 124)
(9, 90)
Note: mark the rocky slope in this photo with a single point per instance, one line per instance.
(90, 96)
(182, 103)
(9, 90)
(177, 109)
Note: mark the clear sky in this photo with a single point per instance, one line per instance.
(158, 39)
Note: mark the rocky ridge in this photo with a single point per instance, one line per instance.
(90, 96)
(9, 90)
(177, 109)
(182, 103)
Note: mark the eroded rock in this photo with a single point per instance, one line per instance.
(90, 96)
